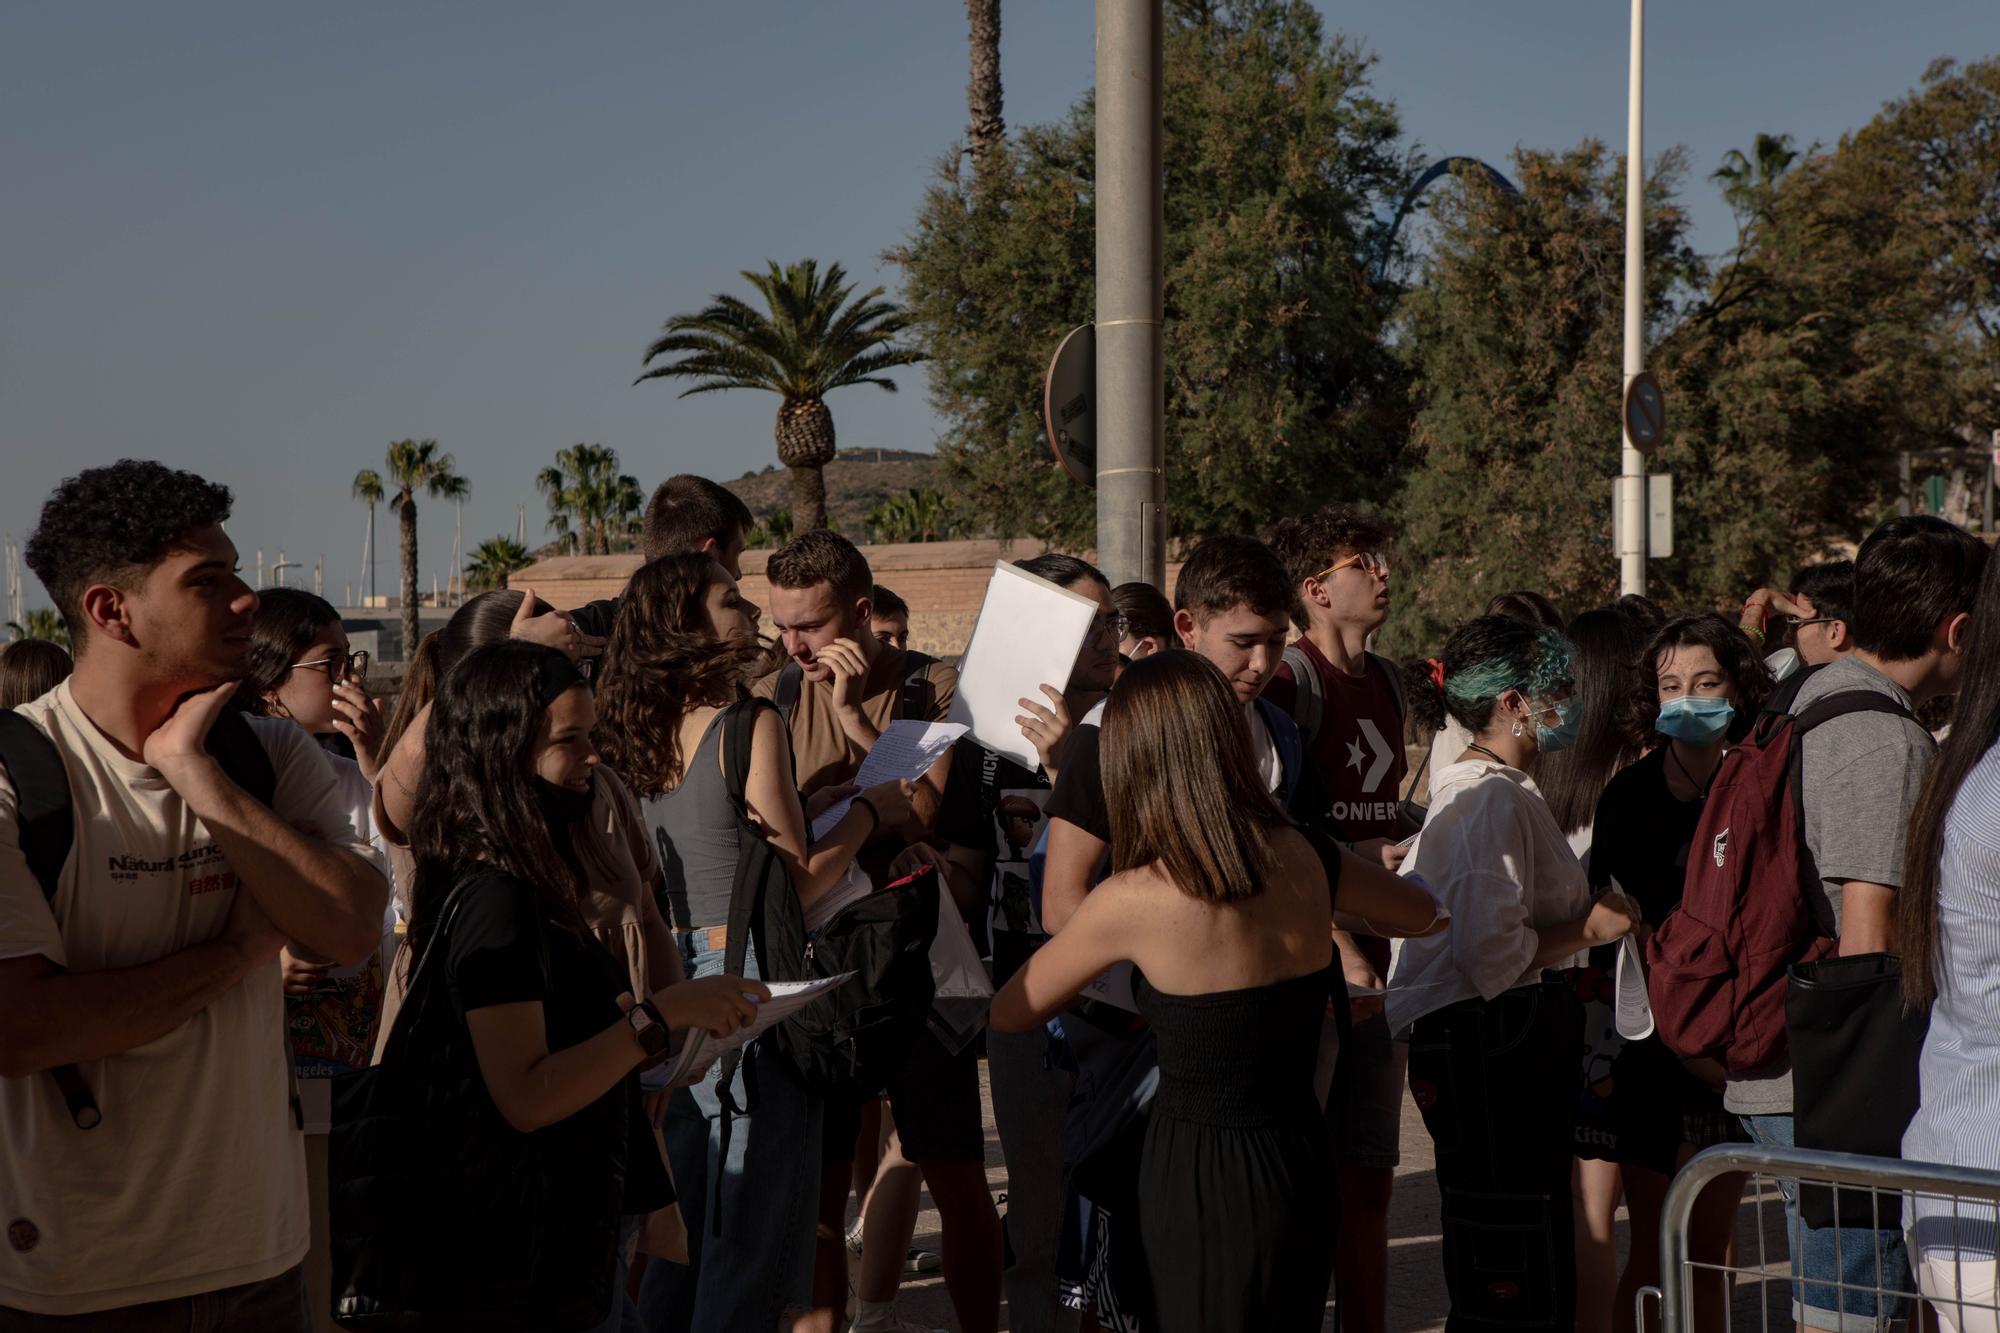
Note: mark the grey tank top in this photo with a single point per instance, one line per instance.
(695, 828)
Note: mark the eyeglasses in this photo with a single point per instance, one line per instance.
(1113, 623)
(1800, 622)
(338, 669)
(1373, 563)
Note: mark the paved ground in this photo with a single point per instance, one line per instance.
(1416, 1288)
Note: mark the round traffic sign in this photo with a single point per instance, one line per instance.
(1069, 400)
(1645, 412)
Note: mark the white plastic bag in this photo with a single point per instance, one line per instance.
(964, 991)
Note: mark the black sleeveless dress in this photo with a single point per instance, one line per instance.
(1236, 1185)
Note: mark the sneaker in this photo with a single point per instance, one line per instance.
(923, 1261)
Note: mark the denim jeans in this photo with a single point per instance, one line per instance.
(761, 1263)
(275, 1305)
(1858, 1259)
(1496, 1081)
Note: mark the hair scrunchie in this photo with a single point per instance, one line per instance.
(1437, 673)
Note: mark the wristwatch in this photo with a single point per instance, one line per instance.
(650, 1028)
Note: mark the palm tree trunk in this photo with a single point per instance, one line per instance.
(406, 512)
(808, 498)
(982, 93)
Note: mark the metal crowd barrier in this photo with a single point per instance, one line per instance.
(1756, 1280)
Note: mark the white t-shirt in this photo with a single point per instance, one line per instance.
(195, 1180)
(1491, 852)
(1264, 749)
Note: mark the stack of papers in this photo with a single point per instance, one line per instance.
(1028, 634)
(902, 753)
(703, 1047)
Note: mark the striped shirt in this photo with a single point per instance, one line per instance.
(1959, 1121)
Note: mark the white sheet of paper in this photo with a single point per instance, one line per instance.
(1632, 1014)
(1028, 634)
(902, 753)
(703, 1047)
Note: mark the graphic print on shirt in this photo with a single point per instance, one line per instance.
(1370, 756)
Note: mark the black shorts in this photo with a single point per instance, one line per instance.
(935, 1100)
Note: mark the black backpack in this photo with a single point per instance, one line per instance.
(47, 822)
(846, 1043)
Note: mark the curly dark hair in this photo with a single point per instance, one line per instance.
(1308, 543)
(1734, 653)
(662, 662)
(286, 620)
(477, 801)
(114, 525)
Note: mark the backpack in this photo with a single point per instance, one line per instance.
(1716, 967)
(47, 823)
(916, 700)
(848, 1041)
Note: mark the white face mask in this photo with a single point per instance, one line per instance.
(1783, 662)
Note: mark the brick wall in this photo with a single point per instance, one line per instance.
(942, 581)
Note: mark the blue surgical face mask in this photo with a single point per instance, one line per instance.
(1562, 735)
(1696, 719)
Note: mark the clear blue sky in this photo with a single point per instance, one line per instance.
(261, 241)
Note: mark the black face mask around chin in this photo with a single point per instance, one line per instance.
(563, 807)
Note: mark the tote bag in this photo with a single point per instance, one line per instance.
(1854, 1075)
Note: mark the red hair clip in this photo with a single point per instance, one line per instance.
(1437, 673)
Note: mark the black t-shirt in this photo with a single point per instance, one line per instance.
(1079, 795)
(1641, 836)
(978, 780)
(595, 617)
(501, 949)
(992, 805)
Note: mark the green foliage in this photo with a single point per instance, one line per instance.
(918, 516)
(591, 504)
(42, 622)
(1281, 389)
(493, 560)
(774, 531)
(1513, 338)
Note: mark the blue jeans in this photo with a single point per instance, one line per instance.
(761, 1263)
(1840, 1266)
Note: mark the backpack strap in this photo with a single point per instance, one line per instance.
(918, 697)
(1396, 686)
(786, 696)
(46, 826)
(746, 914)
(1286, 737)
(1308, 699)
(1822, 711)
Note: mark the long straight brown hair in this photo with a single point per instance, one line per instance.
(1975, 727)
(1179, 783)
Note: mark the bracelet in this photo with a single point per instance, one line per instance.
(869, 805)
(1754, 631)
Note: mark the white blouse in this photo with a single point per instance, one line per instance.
(1493, 855)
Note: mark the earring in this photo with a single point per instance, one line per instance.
(1519, 730)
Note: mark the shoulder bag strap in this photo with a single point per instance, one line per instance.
(413, 997)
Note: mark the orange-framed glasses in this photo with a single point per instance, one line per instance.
(1374, 563)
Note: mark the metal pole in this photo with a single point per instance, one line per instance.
(1131, 361)
(1632, 467)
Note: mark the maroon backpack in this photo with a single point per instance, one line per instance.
(1716, 967)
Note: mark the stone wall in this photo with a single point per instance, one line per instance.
(942, 581)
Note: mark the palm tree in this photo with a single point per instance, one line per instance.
(455, 489)
(985, 128)
(412, 466)
(1747, 180)
(812, 341)
(42, 622)
(368, 490)
(494, 560)
(589, 498)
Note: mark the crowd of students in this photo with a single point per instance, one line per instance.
(1227, 927)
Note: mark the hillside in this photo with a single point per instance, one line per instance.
(856, 481)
